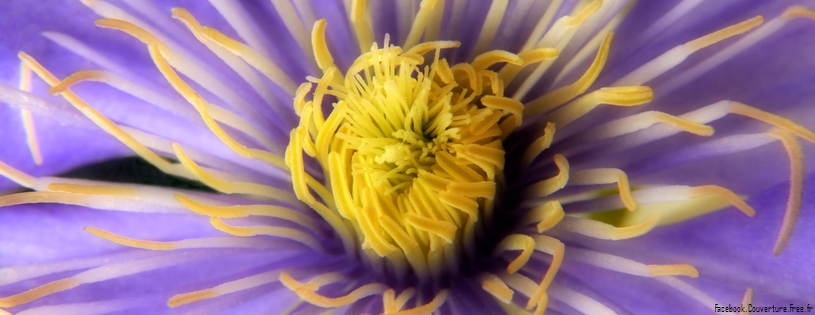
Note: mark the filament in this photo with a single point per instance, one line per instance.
(225, 288)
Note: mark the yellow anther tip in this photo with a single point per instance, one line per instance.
(178, 11)
(798, 11)
(673, 270)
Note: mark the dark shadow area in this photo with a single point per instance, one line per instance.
(133, 170)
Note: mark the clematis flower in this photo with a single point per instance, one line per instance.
(457, 157)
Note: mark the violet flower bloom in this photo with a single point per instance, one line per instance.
(457, 157)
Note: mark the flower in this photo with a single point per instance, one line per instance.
(412, 156)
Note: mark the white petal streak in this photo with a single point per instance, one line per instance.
(239, 19)
(16, 274)
(592, 26)
(88, 308)
(713, 148)
(58, 111)
(608, 261)
(668, 19)
(305, 11)
(122, 269)
(84, 51)
(158, 16)
(231, 162)
(578, 301)
(689, 290)
(147, 94)
(655, 67)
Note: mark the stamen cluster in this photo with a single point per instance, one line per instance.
(411, 151)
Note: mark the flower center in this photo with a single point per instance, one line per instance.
(411, 150)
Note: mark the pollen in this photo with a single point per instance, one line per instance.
(412, 147)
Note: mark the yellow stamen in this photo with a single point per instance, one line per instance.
(121, 240)
(618, 96)
(517, 242)
(557, 37)
(722, 34)
(404, 297)
(295, 161)
(268, 68)
(17, 176)
(243, 70)
(410, 148)
(425, 10)
(505, 104)
(321, 53)
(725, 193)
(428, 308)
(797, 11)
(103, 122)
(187, 298)
(772, 119)
(796, 157)
(157, 49)
(434, 25)
(121, 191)
(359, 19)
(646, 119)
(592, 45)
(490, 58)
(678, 54)
(673, 270)
(581, 16)
(231, 187)
(542, 143)
(546, 215)
(211, 242)
(562, 95)
(497, 288)
(443, 229)
(38, 292)
(529, 57)
(247, 210)
(548, 186)
(282, 232)
(323, 301)
(606, 176)
(314, 284)
(45, 197)
(389, 301)
(747, 300)
(218, 113)
(552, 247)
